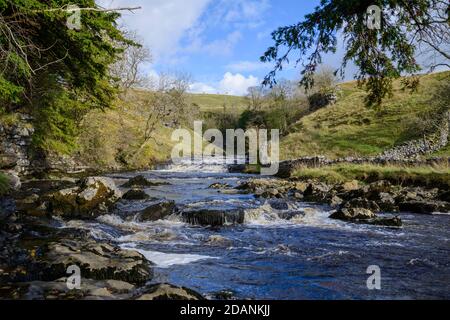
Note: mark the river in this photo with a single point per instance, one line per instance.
(308, 257)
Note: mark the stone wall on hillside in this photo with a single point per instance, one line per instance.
(427, 145)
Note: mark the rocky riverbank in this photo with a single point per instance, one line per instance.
(355, 202)
(37, 249)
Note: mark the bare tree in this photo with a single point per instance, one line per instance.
(255, 98)
(128, 70)
(167, 105)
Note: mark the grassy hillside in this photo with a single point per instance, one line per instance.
(432, 176)
(216, 103)
(349, 128)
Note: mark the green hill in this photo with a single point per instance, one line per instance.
(349, 128)
(216, 102)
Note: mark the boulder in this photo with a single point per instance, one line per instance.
(349, 186)
(278, 204)
(13, 180)
(335, 201)
(425, 206)
(386, 202)
(168, 292)
(362, 203)
(157, 211)
(99, 261)
(58, 290)
(92, 198)
(316, 192)
(386, 222)
(219, 186)
(141, 181)
(33, 206)
(219, 241)
(8, 161)
(444, 196)
(353, 214)
(214, 218)
(135, 194)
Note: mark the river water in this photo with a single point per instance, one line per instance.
(307, 257)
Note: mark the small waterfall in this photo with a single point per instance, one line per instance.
(205, 165)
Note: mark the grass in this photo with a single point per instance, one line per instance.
(113, 139)
(216, 103)
(4, 185)
(425, 176)
(349, 128)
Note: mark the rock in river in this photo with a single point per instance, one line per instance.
(156, 211)
(353, 214)
(141, 181)
(168, 292)
(92, 198)
(135, 194)
(214, 218)
(99, 261)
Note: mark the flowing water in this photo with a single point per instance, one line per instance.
(307, 257)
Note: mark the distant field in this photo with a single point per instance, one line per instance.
(216, 103)
(349, 128)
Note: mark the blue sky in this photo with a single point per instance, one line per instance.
(218, 42)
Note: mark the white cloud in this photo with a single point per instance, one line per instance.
(237, 84)
(231, 84)
(161, 23)
(247, 66)
(199, 87)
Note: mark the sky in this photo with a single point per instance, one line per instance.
(217, 42)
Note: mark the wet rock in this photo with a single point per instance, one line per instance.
(219, 186)
(58, 290)
(335, 201)
(32, 205)
(317, 192)
(99, 261)
(425, 206)
(271, 193)
(445, 196)
(224, 295)
(298, 196)
(214, 218)
(278, 205)
(8, 161)
(156, 211)
(7, 208)
(353, 214)
(13, 180)
(141, 181)
(289, 215)
(168, 292)
(135, 194)
(387, 203)
(362, 203)
(220, 241)
(387, 222)
(350, 186)
(92, 198)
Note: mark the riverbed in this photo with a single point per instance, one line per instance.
(270, 257)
